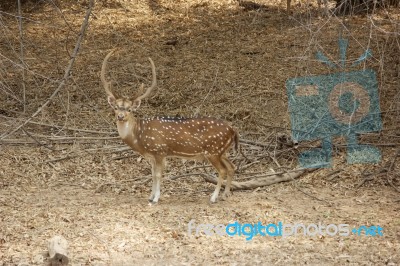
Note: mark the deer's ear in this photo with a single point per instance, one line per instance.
(111, 100)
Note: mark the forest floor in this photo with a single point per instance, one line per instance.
(68, 173)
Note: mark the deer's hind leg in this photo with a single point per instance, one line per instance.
(230, 170)
(217, 162)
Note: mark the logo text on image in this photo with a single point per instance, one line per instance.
(280, 230)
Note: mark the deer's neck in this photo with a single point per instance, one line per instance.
(126, 130)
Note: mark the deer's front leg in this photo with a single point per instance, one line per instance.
(154, 184)
(157, 170)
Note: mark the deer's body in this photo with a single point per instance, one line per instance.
(162, 137)
(178, 137)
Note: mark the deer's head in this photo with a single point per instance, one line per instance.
(124, 107)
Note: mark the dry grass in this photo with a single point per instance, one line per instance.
(213, 58)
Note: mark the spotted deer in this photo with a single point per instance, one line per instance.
(161, 137)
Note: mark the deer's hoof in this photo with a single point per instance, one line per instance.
(213, 200)
(152, 202)
(226, 195)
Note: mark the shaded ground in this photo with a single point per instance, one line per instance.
(213, 58)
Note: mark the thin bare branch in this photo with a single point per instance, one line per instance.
(66, 74)
(21, 40)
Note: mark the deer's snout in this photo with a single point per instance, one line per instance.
(120, 116)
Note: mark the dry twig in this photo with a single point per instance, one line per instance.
(66, 74)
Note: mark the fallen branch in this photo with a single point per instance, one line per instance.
(38, 142)
(371, 176)
(332, 175)
(259, 144)
(273, 178)
(72, 128)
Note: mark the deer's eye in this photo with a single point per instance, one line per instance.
(130, 110)
(115, 107)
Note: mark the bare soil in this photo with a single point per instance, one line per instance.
(67, 173)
